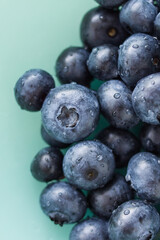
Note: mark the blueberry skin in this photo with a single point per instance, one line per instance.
(146, 99)
(110, 4)
(90, 229)
(47, 165)
(103, 62)
(139, 56)
(143, 173)
(137, 16)
(134, 220)
(32, 88)
(103, 201)
(116, 105)
(70, 112)
(71, 66)
(101, 26)
(157, 26)
(63, 203)
(50, 140)
(89, 165)
(123, 143)
(150, 138)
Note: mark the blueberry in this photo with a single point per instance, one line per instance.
(90, 229)
(71, 66)
(63, 203)
(134, 220)
(103, 201)
(116, 105)
(47, 165)
(157, 26)
(50, 140)
(139, 56)
(143, 173)
(146, 99)
(110, 4)
(123, 143)
(89, 165)
(70, 112)
(137, 16)
(101, 26)
(103, 62)
(150, 138)
(32, 88)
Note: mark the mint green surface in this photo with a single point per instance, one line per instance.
(33, 33)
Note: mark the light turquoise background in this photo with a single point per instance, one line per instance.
(32, 34)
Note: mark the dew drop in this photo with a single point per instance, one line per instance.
(135, 46)
(95, 50)
(126, 212)
(114, 114)
(65, 69)
(147, 47)
(128, 178)
(99, 157)
(153, 82)
(91, 113)
(117, 95)
(101, 17)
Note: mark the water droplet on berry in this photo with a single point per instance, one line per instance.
(117, 95)
(147, 47)
(153, 82)
(126, 212)
(91, 112)
(99, 157)
(101, 17)
(66, 69)
(114, 114)
(95, 50)
(128, 178)
(135, 46)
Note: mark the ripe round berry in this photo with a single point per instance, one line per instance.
(32, 88)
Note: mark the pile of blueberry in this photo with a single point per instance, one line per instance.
(122, 49)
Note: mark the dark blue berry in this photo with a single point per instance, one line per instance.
(63, 203)
(89, 165)
(143, 173)
(71, 66)
(50, 140)
(90, 229)
(103, 62)
(157, 26)
(134, 220)
(139, 56)
(32, 88)
(146, 99)
(150, 138)
(116, 105)
(103, 201)
(110, 4)
(123, 143)
(101, 26)
(137, 16)
(70, 112)
(47, 165)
